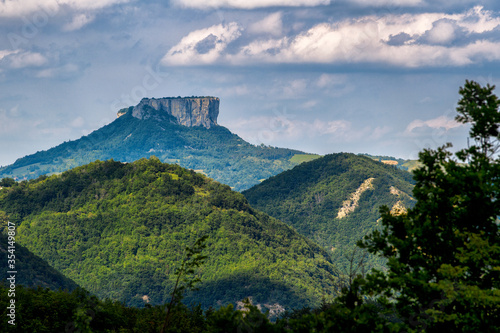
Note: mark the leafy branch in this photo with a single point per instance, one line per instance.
(186, 280)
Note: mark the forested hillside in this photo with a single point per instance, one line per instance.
(119, 230)
(213, 151)
(33, 271)
(334, 200)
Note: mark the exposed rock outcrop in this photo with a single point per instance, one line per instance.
(187, 111)
(348, 206)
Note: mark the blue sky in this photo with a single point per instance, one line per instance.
(323, 76)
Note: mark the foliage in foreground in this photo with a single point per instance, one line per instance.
(444, 254)
(42, 310)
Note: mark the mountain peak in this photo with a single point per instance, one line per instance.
(187, 111)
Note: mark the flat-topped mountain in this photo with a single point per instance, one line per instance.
(187, 111)
(176, 130)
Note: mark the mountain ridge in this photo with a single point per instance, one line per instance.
(334, 200)
(212, 150)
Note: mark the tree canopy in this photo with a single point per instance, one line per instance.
(444, 253)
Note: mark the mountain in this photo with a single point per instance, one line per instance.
(176, 130)
(334, 200)
(119, 230)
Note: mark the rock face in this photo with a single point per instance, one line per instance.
(188, 111)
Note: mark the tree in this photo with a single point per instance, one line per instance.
(444, 253)
(186, 280)
(7, 182)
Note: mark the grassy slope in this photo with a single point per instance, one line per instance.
(119, 230)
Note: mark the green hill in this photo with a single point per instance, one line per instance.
(32, 271)
(333, 200)
(408, 165)
(213, 151)
(119, 231)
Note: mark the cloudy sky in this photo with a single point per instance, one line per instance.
(323, 76)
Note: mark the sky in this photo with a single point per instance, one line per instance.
(322, 76)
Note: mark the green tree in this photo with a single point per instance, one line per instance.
(186, 279)
(7, 182)
(444, 254)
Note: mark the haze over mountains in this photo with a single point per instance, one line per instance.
(176, 130)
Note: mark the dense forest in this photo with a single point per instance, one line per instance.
(310, 196)
(34, 270)
(215, 152)
(119, 231)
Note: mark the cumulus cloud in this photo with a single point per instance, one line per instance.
(271, 24)
(26, 59)
(441, 122)
(442, 32)
(20, 8)
(245, 4)
(408, 40)
(203, 46)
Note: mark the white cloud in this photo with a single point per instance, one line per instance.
(20, 8)
(442, 32)
(365, 40)
(479, 20)
(271, 24)
(246, 4)
(388, 2)
(27, 59)
(441, 122)
(90, 4)
(202, 46)
(64, 71)
(78, 22)
(5, 53)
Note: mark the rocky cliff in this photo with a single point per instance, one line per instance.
(187, 111)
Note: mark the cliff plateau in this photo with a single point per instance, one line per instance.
(187, 111)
